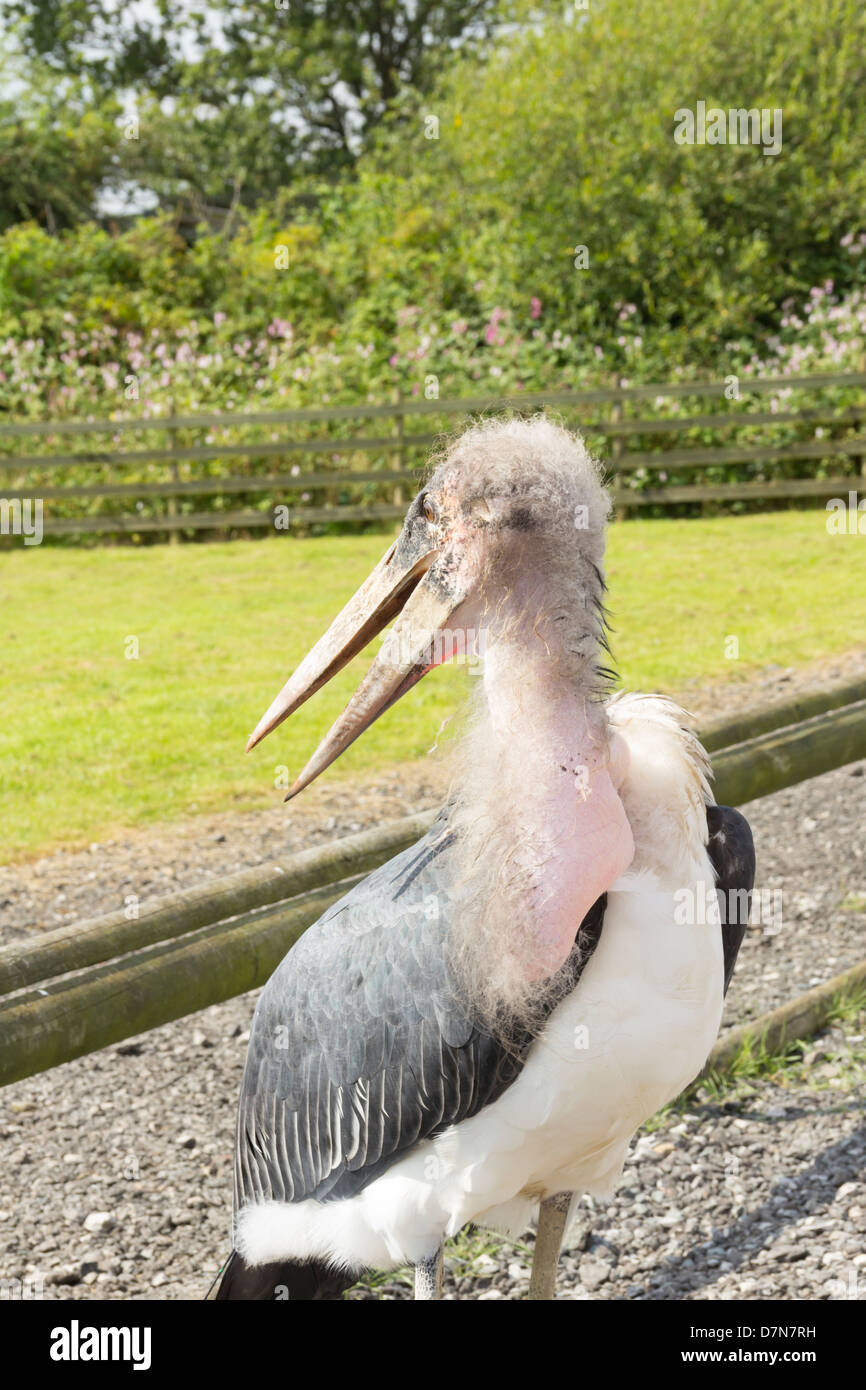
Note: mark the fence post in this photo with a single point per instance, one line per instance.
(173, 436)
(617, 448)
(399, 434)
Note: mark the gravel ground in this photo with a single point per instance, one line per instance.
(115, 1170)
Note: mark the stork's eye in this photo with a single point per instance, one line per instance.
(430, 510)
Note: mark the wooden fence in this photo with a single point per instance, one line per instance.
(367, 476)
(72, 990)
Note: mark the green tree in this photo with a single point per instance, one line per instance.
(245, 94)
(57, 150)
(564, 137)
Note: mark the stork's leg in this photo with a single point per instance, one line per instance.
(552, 1218)
(428, 1276)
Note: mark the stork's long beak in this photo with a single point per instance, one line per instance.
(407, 582)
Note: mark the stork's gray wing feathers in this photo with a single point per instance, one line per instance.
(361, 1045)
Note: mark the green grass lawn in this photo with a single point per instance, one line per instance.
(92, 742)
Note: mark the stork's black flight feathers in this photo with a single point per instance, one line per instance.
(732, 851)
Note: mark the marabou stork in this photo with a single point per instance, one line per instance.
(483, 1023)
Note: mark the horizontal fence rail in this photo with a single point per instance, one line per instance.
(200, 947)
(799, 1018)
(777, 714)
(105, 1005)
(88, 491)
(86, 943)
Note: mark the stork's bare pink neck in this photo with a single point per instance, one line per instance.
(572, 838)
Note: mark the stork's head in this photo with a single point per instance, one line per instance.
(514, 509)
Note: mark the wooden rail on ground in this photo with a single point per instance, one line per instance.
(374, 491)
(192, 949)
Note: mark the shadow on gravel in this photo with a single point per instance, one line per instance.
(790, 1199)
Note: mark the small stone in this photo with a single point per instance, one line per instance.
(671, 1218)
(593, 1272)
(186, 1141)
(98, 1222)
(790, 1252)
